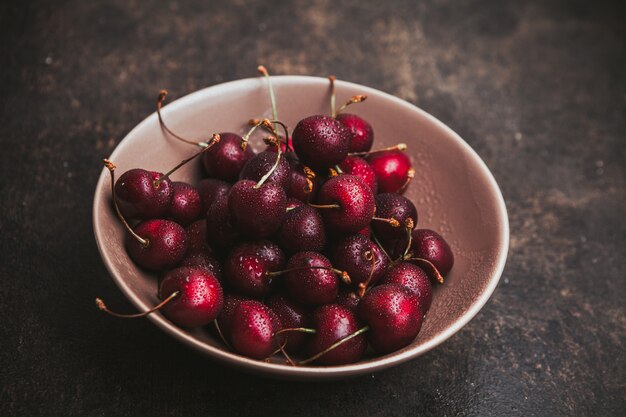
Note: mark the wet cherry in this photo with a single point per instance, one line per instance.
(391, 205)
(361, 132)
(302, 230)
(225, 160)
(247, 266)
(260, 164)
(357, 166)
(430, 245)
(186, 205)
(310, 279)
(143, 194)
(252, 329)
(162, 244)
(414, 278)
(210, 189)
(256, 211)
(292, 315)
(321, 142)
(393, 170)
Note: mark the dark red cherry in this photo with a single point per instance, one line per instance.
(430, 245)
(165, 244)
(185, 206)
(259, 165)
(143, 194)
(225, 318)
(203, 260)
(393, 170)
(293, 203)
(299, 187)
(220, 233)
(302, 230)
(354, 165)
(292, 315)
(360, 257)
(225, 159)
(393, 315)
(248, 265)
(307, 283)
(321, 142)
(332, 323)
(283, 147)
(391, 205)
(361, 132)
(252, 329)
(210, 189)
(355, 202)
(197, 239)
(200, 300)
(414, 278)
(348, 298)
(257, 212)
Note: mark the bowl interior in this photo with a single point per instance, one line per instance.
(454, 192)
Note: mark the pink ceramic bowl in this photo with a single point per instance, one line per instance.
(453, 191)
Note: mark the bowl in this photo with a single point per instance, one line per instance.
(453, 190)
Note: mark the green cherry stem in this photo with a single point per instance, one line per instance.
(335, 345)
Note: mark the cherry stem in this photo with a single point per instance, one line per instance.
(296, 329)
(409, 225)
(281, 348)
(219, 332)
(393, 222)
(335, 345)
(333, 98)
(104, 308)
(338, 169)
(430, 265)
(345, 277)
(245, 139)
(160, 101)
(363, 285)
(325, 206)
(270, 124)
(381, 247)
(398, 147)
(272, 169)
(214, 140)
(409, 177)
(266, 74)
(111, 167)
(354, 99)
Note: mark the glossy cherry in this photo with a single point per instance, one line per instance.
(302, 230)
(393, 170)
(220, 233)
(203, 260)
(357, 166)
(252, 329)
(360, 258)
(196, 237)
(302, 186)
(292, 316)
(248, 265)
(262, 163)
(200, 300)
(348, 298)
(257, 211)
(393, 315)
(361, 132)
(321, 142)
(431, 246)
(210, 189)
(332, 323)
(414, 278)
(143, 194)
(186, 205)
(396, 206)
(225, 318)
(310, 279)
(349, 201)
(225, 160)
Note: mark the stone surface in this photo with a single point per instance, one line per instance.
(537, 88)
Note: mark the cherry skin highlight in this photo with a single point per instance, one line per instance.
(225, 318)
(225, 159)
(311, 286)
(200, 300)
(252, 329)
(413, 278)
(321, 142)
(394, 317)
(355, 200)
(203, 260)
(246, 267)
(354, 165)
(430, 245)
(392, 168)
(143, 194)
(302, 230)
(361, 132)
(332, 323)
(257, 212)
(292, 315)
(186, 205)
(167, 244)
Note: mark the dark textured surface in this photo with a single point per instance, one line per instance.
(537, 88)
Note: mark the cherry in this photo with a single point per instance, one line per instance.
(414, 278)
(361, 132)
(293, 203)
(348, 298)
(197, 239)
(225, 318)
(348, 204)
(310, 278)
(393, 315)
(321, 142)
(157, 244)
(391, 205)
(360, 258)
(334, 323)
(200, 300)
(203, 260)
(143, 194)
(220, 233)
(357, 166)
(252, 329)
(393, 170)
(431, 246)
(225, 160)
(185, 206)
(257, 211)
(210, 189)
(260, 164)
(292, 316)
(302, 230)
(303, 184)
(248, 265)
(286, 147)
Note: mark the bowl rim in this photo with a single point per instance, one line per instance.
(260, 367)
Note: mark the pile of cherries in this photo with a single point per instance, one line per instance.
(307, 249)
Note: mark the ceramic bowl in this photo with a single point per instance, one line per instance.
(453, 190)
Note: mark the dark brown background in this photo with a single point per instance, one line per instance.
(538, 88)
